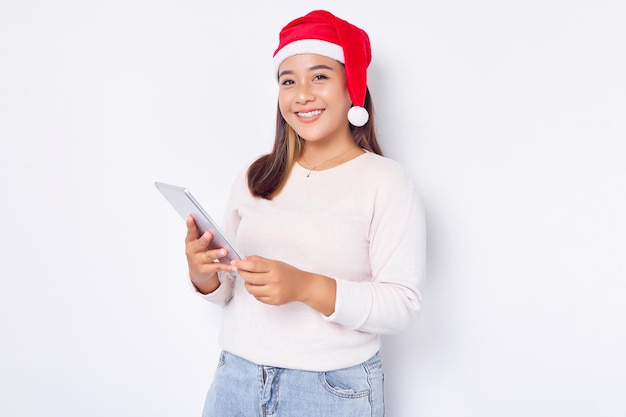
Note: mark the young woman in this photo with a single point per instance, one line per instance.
(334, 237)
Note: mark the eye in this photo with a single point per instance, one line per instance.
(320, 77)
(286, 81)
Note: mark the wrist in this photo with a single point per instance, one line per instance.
(319, 292)
(205, 285)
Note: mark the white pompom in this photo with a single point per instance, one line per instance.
(358, 116)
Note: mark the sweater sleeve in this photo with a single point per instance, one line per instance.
(392, 299)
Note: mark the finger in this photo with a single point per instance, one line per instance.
(213, 267)
(257, 290)
(199, 245)
(192, 229)
(195, 248)
(254, 264)
(210, 256)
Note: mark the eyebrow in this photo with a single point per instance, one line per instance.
(313, 68)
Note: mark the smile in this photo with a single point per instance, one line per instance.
(309, 114)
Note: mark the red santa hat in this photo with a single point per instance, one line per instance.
(320, 32)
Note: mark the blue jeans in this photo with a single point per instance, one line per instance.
(243, 389)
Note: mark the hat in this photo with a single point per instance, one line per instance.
(320, 32)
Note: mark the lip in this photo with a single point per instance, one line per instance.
(311, 115)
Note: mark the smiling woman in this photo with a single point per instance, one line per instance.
(312, 99)
(335, 237)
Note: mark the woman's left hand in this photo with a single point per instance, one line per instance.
(269, 281)
(276, 283)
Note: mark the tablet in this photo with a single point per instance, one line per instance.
(185, 204)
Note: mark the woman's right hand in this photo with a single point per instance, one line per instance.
(203, 262)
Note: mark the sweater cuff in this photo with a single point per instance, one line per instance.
(353, 304)
(222, 294)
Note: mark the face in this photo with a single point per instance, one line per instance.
(313, 97)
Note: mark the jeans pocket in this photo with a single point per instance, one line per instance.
(346, 383)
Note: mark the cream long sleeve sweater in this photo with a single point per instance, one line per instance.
(360, 223)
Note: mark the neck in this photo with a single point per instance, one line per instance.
(315, 152)
(318, 159)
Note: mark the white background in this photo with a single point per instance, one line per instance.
(510, 116)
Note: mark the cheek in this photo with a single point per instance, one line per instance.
(283, 104)
(339, 98)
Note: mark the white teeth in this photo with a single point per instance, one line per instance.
(309, 114)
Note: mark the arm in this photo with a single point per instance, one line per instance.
(212, 280)
(274, 282)
(397, 236)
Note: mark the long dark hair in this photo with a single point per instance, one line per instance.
(268, 174)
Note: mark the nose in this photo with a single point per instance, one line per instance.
(304, 93)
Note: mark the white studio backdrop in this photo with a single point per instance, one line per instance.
(509, 115)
